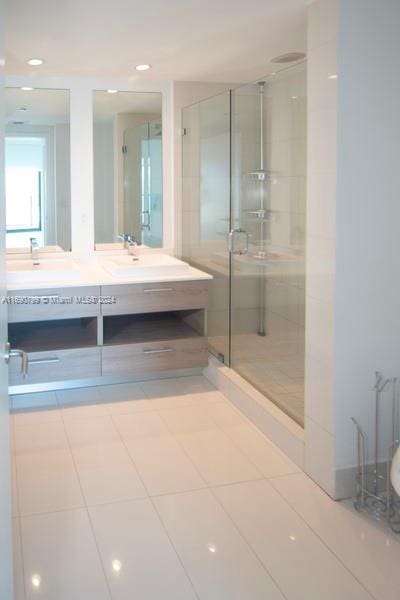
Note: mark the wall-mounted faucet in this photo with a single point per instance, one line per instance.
(34, 251)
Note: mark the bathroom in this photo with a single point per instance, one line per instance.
(199, 303)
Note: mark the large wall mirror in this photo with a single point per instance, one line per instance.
(37, 162)
(127, 148)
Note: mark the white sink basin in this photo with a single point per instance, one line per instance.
(24, 271)
(146, 265)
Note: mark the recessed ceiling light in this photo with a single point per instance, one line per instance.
(26, 88)
(36, 580)
(333, 76)
(35, 62)
(23, 108)
(116, 565)
(112, 91)
(143, 67)
(294, 97)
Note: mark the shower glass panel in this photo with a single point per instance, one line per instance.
(244, 206)
(206, 207)
(268, 215)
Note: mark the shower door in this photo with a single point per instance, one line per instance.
(244, 168)
(206, 207)
(268, 141)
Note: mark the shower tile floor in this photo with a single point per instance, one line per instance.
(164, 491)
(275, 367)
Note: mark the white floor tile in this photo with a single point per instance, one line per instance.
(138, 558)
(19, 586)
(367, 550)
(14, 488)
(61, 558)
(217, 458)
(124, 398)
(86, 432)
(286, 545)
(185, 391)
(106, 471)
(187, 419)
(46, 475)
(163, 465)
(81, 403)
(47, 481)
(140, 425)
(39, 437)
(217, 559)
(268, 459)
(36, 415)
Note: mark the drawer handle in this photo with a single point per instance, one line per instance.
(160, 351)
(159, 290)
(44, 361)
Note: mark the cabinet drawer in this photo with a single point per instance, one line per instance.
(53, 303)
(155, 297)
(57, 365)
(154, 356)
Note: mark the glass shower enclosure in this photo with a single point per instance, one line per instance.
(244, 206)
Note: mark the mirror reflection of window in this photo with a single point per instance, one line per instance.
(37, 168)
(127, 145)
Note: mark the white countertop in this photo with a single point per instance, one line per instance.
(93, 274)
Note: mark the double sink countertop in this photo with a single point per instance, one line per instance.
(111, 269)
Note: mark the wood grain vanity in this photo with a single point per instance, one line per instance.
(137, 329)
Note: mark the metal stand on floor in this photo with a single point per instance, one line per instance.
(375, 493)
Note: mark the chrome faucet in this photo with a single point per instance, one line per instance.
(130, 242)
(34, 251)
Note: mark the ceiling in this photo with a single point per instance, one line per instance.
(184, 40)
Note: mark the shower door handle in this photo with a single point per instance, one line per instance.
(238, 233)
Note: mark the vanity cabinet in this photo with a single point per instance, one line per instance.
(148, 328)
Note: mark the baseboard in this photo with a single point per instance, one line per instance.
(265, 415)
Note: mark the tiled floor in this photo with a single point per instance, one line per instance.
(163, 491)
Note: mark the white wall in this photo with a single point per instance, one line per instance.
(321, 242)
(353, 325)
(367, 323)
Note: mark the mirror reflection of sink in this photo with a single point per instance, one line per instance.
(24, 271)
(146, 265)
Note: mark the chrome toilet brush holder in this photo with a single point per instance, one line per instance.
(375, 494)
